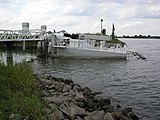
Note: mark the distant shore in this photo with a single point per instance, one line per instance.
(140, 36)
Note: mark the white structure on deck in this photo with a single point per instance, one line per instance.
(87, 46)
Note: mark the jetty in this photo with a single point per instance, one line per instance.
(11, 37)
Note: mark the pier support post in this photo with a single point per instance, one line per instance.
(24, 45)
(9, 53)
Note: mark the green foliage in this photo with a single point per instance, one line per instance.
(18, 92)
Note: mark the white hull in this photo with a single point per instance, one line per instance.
(84, 53)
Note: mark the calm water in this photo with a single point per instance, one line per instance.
(132, 83)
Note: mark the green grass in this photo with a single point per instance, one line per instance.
(19, 93)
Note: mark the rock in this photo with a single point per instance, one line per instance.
(78, 118)
(79, 111)
(68, 111)
(97, 115)
(108, 108)
(86, 91)
(116, 115)
(60, 80)
(108, 116)
(133, 116)
(76, 88)
(87, 118)
(79, 97)
(104, 102)
(45, 81)
(52, 86)
(72, 94)
(47, 110)
(66, 94)
(90, 103)
(96, 93)
(126, 111)
(16, 117)
(44, 93)
(80, 104)
(54, 99)
(56, 115)
(66, 88)
(67, 81)
(59, 86)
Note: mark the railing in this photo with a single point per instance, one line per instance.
(90, 45)
(16, 35)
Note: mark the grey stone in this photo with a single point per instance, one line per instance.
(54, 99)
(76, 88)
(86, 91)
(66, 88)
(56, 115)
(59, 86)
(79, 97)
(68, 111)
(16, 117)
(104, 102)
(66, 94)
(87, 118)
(45, 81)
(78, 110)
(47, 110)
(133, 116)
(96, 93)
(97, 115)
(116, 115)
(67, 81)
(51, 87)
(90, 103)
(108, 108)
(44, 93)
(108, 116)
(60, 79)
(72, 94)
(126, 111)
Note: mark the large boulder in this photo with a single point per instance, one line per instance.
(66, 88)
(95, 115)
(108, 116)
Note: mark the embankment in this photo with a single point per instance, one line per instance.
(67, 100)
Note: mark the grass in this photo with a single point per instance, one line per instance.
(18, 92)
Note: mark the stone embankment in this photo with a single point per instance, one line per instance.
(67, 100)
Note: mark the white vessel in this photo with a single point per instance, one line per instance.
(86, 46)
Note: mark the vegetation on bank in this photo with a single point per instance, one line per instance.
(140, 36)
(19, 93)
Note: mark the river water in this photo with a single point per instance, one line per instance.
(131, 83)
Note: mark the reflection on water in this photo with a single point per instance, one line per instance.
(15, 57)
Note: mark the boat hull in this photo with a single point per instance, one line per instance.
(65, 52)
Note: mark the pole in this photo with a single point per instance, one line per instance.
(101, 24)
(24, 45)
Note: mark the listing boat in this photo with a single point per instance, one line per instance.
(86, 46)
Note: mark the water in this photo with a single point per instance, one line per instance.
(132, 83)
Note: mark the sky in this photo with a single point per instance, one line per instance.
(130, 17)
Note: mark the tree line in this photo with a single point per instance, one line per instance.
(139, 36)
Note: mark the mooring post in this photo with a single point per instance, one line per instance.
(46, 46)
(9, 53)
(41, 48)
(24, 45)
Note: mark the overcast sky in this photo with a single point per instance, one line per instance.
(80, 16)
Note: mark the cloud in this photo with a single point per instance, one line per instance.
(81, 15)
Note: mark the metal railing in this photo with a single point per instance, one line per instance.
(21, 35)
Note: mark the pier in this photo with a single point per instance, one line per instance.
(10, 37)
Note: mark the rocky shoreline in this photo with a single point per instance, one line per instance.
(67, 100)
